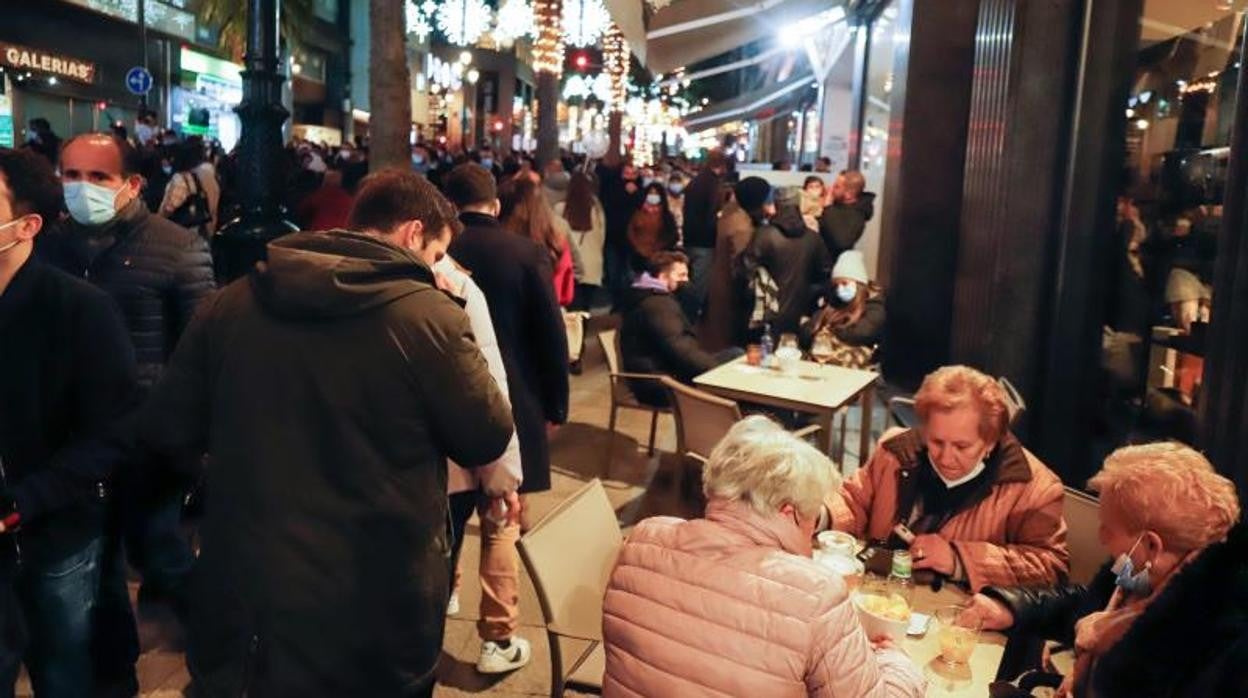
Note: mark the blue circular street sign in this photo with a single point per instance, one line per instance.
(138, 80)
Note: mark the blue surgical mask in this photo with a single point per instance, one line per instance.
(1127, 578)
(647, 181)
(167, 169)
(676, 188)
(487, 163)
(846, 292)
(418, 160)
(90, 204)
(654, 199)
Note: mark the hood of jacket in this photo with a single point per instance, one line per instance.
(865, 205)
(334, 274)
(789, 221)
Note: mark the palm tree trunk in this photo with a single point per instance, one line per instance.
(389, 87)
(547, 118)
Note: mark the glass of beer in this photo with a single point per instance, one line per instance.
(957, 635)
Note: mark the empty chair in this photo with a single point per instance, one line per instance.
(702, 419)
(621, 395)
(569, 555)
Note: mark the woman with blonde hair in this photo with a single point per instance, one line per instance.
(960, 492)
(1169, 617)
(731, 604)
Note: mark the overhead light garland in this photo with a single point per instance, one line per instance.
(463, 21)
(515, 20)
(584, 21)
(548, 46)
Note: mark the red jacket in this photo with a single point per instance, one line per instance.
(565, 276)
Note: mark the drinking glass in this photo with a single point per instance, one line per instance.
(957, 635)
(788, 340)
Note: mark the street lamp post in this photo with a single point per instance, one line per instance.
(258, 163)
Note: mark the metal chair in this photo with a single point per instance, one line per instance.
(622, 395)
(702, 419)
(569, 556)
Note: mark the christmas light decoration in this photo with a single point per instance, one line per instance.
(463, 21)
(615, 62)
(417, 22)
(548, 46)
(515, 20)
(584, 21)
(600, 88)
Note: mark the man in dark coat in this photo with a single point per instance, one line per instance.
(328, 389)
(514, 273)
(656, 336)
(704, 197)
(792, 254)
(69, 376)
(846, 215)
(621, 195)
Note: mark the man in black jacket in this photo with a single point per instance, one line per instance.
(514, 273)
(847, 212)
(703, 198)
(656, 336)
(157, 272)
(69, 377)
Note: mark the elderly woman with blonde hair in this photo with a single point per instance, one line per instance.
(960, 492)
(731, 604)
(1169, 616)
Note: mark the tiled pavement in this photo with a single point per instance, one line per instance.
(637, 485)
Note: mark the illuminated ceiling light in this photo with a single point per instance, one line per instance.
(463, 21)
(1142, 124)
(515, 20)
(473, 76)
(417, 20)
(465, 57)
(584, 21)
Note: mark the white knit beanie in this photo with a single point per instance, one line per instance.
(851, 265)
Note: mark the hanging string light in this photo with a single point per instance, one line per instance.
(615, 63)
(463, 21)
(417, 21)
(548, 46)
(584, 21)
(515, 20)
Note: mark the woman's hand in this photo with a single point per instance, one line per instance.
(930, 551)
(992, 613)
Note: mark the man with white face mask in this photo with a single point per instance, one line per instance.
(157, 272)
(69, 376)
(979, 507)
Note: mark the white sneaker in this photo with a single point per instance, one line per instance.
(452, 606)
(496, 660)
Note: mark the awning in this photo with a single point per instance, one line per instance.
(759, 105)
(688, 31)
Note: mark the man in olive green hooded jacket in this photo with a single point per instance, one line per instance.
(328, 389)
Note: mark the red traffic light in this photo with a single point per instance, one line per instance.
(582, 61)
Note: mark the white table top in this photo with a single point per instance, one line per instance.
(968, 680)
(813, 385)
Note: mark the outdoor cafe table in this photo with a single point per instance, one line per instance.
(812, 388)
(971, 679)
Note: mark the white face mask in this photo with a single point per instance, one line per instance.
(950, 484)
(653, 199)
(16, 241)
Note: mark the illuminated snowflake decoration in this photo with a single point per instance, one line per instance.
(417, 20)
(576, 87)
(463, 21)
(515, 20)
(601, 88)
(584, 21)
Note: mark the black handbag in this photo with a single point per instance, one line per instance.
(194, 213)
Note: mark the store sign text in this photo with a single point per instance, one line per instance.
(30, 59)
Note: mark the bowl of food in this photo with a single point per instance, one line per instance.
(882, 614)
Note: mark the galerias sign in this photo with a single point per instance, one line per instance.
(31, 59)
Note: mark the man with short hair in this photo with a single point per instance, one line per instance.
(846, 212)
(69, 376)
(514, 273)
(703, 198)
(823, 164)
(329, 388)
(656, 336)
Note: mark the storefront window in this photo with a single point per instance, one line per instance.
(876, 115)
(1157, 265)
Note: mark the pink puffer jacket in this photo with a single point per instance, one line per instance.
(731, 605)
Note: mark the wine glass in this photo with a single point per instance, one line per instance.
(821, 349)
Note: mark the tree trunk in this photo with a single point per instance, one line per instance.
(389, 86)
(615, 127)
(547, 118)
